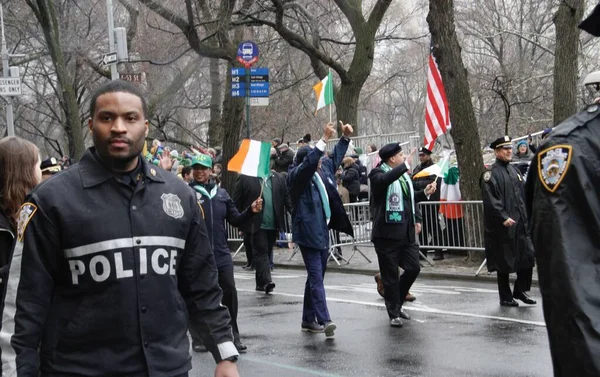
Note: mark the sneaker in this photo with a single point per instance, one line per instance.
(329, 329)
(396, 322)
(269, 287)
(404, 314)
(313, 327)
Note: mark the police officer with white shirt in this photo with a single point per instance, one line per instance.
(112, 257)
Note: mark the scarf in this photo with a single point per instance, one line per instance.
(203, 191)
(394, 201)
(323, 194)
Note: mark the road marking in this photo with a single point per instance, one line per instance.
(425, 309)
(289, 367)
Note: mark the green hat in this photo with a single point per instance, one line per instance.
(202, 159)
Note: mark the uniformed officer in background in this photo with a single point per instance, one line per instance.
(111, 257)
(563, 201)
(49, 168)
(508, 247)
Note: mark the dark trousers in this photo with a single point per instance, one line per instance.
(430, 226)
(248, 248)
(230, 300)
(315, 303)
(391, 255)
(522, 284)
(263, 242)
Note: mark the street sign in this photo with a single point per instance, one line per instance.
(10, 86)
(253, 71)
(133, 77)
(253, 92)
(259, 101)
(257, 82)
(247, 53)
(109, 58)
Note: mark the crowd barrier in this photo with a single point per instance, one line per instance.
(446, 225)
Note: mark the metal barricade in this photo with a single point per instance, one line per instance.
(233, 234)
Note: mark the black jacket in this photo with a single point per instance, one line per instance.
(404, 230)
(104, 279)
(351, 180)
(283, 161)
(215, 212)
(563, 202)
(506, 249)
(7, 237)
(246, 191)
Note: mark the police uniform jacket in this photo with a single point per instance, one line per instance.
(563, 201)
(403, 231)
(103, 278)
(216, 211)
(507, 249)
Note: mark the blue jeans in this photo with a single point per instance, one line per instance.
(315, 304)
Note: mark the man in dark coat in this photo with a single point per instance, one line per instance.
(283, 159)
(315, 212)
(396, 223)
(266, 225)
(508, 247)
(563, 205)
(431, 225)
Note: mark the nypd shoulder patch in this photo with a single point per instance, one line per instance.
(25, 214)
(487, 176)
(553, 164)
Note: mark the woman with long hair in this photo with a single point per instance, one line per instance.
(19, 173)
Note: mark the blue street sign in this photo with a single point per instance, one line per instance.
(238, 85)
(259, 92)
(253, 71)
(238, 93)
(259, 85)
(247, 53)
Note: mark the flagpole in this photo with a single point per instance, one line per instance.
(331, 104)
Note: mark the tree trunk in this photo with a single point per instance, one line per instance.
(566, 21)
(215, 135)
(464, 124)
(346, 105)
(233, 111)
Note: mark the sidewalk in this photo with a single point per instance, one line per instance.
(454, 266)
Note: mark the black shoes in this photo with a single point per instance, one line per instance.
(403, 314)
(269, 287)
(248, 267)
(199, 348)
(240, 346)
(313, 327)
(396, 322)
(439, 255)
(525, 298)
(512, 303)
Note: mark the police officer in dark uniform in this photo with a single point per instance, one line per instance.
(112, 258)
(508, 246)
(563, 201)
(431, 225)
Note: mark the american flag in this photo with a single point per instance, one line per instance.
(437, 118)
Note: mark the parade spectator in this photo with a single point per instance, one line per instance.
(351, 178)
(113, 260)
(523, 157)
(283, 159)
(315, 211)
(186, 174)
(396, 222)
(217, 207)
(275, 142)
(217, 172)
(265, 227)
(373, 157)
(508, 247)
(16, 181)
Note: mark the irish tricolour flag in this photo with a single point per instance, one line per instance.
(252, 159)
(324, 92)
(450, 192)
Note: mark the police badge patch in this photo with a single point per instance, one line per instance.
(25, 215)
(553, 164)
(172, 205)
(487, 175)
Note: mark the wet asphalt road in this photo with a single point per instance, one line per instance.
(458, 329)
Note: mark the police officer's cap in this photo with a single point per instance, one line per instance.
(503, 142)
(592, 23)
(389, 150)
(424, 150)
(50, 166)
(202, 160)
